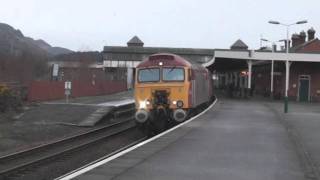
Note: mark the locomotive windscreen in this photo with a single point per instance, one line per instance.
(173, 74)
(149, 75)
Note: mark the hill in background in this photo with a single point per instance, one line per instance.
(14, 42)
(23, 59)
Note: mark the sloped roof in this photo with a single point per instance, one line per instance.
(302, 46)
(135, 40)
(239, 44)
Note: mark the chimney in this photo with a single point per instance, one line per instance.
(295, 39)
(274, 48)
(302, 37)
(285, 43)
(311, 33)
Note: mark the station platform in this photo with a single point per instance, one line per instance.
(234, 139)
(47, 122)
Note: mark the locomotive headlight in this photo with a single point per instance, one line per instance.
(179, 104)
(143, 104)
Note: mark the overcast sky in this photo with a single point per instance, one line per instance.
(89, 25)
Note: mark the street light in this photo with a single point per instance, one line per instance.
(288, 25)
(287, 61)
(272, 64)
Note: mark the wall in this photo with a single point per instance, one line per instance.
(311, 69)
(262, 80)
(50, 90)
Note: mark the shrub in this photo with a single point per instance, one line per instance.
(8, 101)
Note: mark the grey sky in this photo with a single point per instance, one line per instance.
(88, 25)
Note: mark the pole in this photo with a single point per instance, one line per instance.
(249, 73)
(272, 70)
(287, 61)
(287, 75)
(67, 99)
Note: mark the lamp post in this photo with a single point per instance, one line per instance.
(272, 65)
(287, 60)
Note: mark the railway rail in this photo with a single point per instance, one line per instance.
(16, 162)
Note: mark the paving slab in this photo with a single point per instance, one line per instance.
(241, 140)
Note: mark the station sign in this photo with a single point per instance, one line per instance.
(67, 85)
(55, 70)
(67, 90)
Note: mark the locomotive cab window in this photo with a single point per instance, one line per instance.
(173, 74)
(149, 75)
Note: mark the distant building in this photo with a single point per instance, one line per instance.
(120, 61)
(82, 66)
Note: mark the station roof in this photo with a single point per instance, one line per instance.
(215, 59)
(135, 41)
(239, 44)
(134, 53)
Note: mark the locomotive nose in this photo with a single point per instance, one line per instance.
(141, 116)
(179, 115)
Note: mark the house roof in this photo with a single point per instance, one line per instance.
(302, 46)
(135, 40)
(239, 44)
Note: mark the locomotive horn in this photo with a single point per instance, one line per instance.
(179, 115)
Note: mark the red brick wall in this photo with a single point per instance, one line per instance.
(296, 69)
(311, 69)
(46, 90)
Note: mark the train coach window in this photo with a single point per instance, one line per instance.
(173, 74)
(149, 75)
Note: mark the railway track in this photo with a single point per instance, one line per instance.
(16, 162)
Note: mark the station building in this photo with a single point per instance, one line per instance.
(304, 76)
(120, 61)
(244, 69)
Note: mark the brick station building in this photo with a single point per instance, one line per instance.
(304, 84)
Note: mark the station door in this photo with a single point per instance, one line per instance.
(304, 88)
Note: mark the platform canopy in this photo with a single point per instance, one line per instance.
(232, 55)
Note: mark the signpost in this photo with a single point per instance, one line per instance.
(55, 71)
(67, 90)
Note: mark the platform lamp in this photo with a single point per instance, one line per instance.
(287, 60)
(273, 43)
